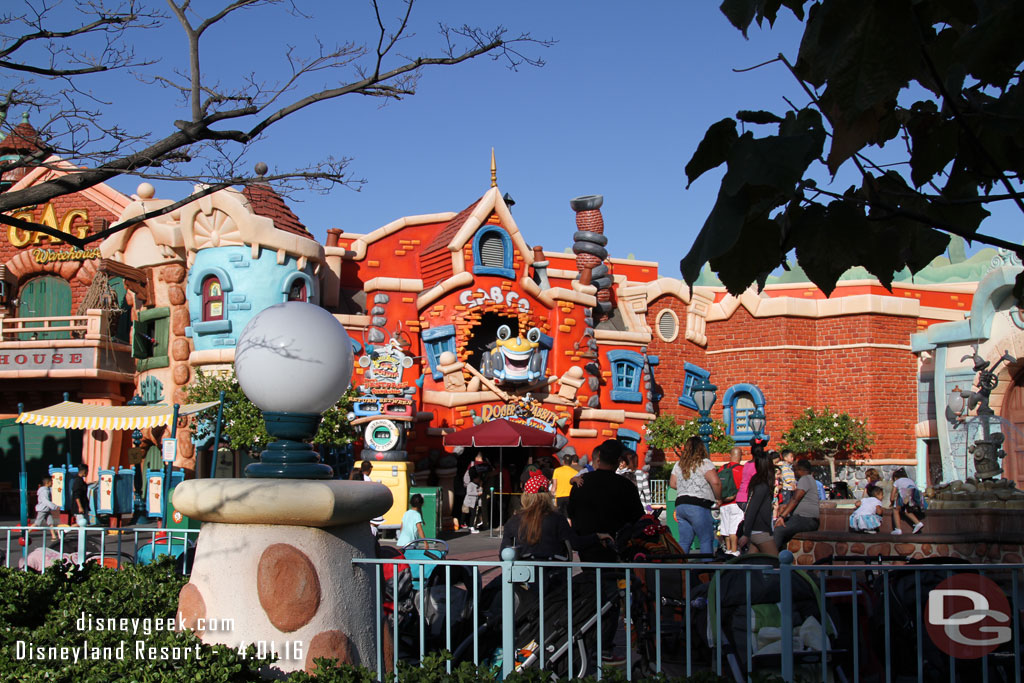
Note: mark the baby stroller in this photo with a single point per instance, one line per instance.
(739, 626)
(568, 648)
(904, 590)
(427, 594)
(659, 598)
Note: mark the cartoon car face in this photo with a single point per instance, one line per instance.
(514, 359)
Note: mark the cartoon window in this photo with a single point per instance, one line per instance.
(627, 369)
(299, 286)
(628, 438)
(738, 405)
(150, 338)
(213, 299)
(694, 373)
(667, 325)
(492, 253)
(436, 341)
(297, 291)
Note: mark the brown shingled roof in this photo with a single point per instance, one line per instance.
(445, 234)
(268, 203)
(22, 138)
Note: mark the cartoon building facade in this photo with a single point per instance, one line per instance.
(457, 320)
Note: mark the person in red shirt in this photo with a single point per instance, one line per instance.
(732, 515)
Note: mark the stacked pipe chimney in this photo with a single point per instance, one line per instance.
(589, 246)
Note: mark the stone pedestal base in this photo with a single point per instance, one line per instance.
(291, 588)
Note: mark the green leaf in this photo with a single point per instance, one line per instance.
(934, 141)
(713, 150)
(865, 51)
(824, 238)
(758, 117)
(739, 13)
(849, 136)
(763, 174)
(992, 50)
(760, 254)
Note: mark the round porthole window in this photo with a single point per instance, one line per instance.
(667, 325)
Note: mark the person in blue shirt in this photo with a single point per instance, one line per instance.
(412, 522)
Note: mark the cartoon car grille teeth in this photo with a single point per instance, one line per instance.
(514, 359)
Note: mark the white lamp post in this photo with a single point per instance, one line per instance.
(294, 361)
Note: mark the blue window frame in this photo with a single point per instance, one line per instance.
(297, 285)
(627, 369)
(437, 340)
(656, 393)
(492, 253)
(693, 374)
(629, 439)
(738, 404)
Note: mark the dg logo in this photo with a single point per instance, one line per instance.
(968, 616)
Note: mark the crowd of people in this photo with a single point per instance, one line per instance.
(569, 504)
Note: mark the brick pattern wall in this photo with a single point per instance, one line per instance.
(876, 384)
(19, 259)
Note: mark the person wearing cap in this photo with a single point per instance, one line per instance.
(539, 531)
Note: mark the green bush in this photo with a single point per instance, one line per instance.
(665, 434)
(827, 434)
(43, 611)
(243, 422)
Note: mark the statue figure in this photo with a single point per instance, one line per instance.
(987, 450)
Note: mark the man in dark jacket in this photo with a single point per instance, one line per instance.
(604, 502)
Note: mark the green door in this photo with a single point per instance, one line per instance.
(45, 297)
(154, 459)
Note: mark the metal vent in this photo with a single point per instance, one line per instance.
(492, 251)
(667, 326)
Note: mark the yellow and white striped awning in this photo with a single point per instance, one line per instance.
(71, 415)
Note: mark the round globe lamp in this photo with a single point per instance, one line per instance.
(293, 361)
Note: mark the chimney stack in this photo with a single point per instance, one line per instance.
(589, 246)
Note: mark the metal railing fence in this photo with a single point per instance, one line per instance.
(851, 622)
(78, 545)
(658, 489)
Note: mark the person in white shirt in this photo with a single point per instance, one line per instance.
(45, 507)
(868, 517)
(906, 502)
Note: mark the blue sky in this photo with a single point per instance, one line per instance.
(625, 96)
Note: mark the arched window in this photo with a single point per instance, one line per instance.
(492, 253)
(738, 405)
(213, 299)
(297, 290)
